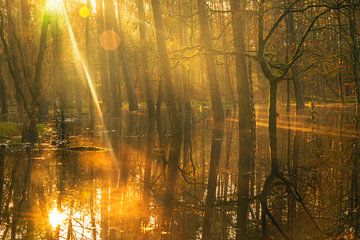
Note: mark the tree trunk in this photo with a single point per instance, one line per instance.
(229, 90)
(3, 95)
(218, 111)
(125, 160)
(59, 79)
(174, 114)
(149, 157)
(144, 58)
(170, 93)
(2, 169)
(38, 105)
(355, 54)
(26, 202)
(79, 98)
(246, 118)
(11, 48)
(185, 80)
(293, 173)
(133, 104)
(273, 126)
(102, 58)
(110, 25)
(91, 72)
(340, 56)
(25, 14)
(39, 96)
(215, 154)
(299, 88)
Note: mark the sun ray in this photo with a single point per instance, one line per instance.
(83, 69)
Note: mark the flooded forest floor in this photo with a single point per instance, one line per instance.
(117, 182)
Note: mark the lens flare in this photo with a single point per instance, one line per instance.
(56, 218)
(85, 12)
(110, 40)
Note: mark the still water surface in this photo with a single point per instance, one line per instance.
(111, 184)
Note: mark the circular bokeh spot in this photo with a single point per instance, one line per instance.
(84, 11)
(109, 40)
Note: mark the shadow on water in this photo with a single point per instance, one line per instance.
(79, 187)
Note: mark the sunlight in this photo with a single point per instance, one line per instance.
(56, 218)
(54, 6)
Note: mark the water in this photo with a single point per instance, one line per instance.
(91, 188)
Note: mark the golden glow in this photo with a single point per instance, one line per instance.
(54, 6)
(56, 218)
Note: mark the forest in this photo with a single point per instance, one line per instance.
(179, 119)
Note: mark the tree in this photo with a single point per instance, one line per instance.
(144, 57)
(246, 116)
(114, 84)
(218, 111)
(171, 101)
(218, 116)
(133, 105)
